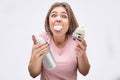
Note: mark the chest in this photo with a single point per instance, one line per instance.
(65, 57)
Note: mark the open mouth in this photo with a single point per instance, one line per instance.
(57, 28)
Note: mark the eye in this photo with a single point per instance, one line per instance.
(53, 15)
(64, 16)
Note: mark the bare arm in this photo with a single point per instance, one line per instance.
(38, 52)
(83, 63)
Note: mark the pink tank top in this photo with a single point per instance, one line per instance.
(65, 58)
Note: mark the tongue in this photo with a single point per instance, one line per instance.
(58, 28)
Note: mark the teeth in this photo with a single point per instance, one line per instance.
(57, 28)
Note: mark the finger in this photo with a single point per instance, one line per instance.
(38, 50)
(39, 45)
(43, 51)
(83, 42)
(42, 47)
(33, 38)
(79, 51)
(81, 45)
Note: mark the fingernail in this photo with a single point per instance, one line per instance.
(74, 39)
(32, 36)
(79, 37)
(47, 43)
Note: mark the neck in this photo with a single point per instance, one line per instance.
(60, 41)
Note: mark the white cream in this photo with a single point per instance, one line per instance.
(58, 27)
(80, 31)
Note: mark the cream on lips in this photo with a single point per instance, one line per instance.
(58, 28)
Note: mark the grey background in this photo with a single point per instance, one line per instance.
(20, 19)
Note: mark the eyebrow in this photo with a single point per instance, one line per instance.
(61, 12)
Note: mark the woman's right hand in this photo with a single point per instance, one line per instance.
(39, 50)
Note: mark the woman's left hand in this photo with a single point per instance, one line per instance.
(81, 47)
(83, 63)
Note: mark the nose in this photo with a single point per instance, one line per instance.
(58, 19)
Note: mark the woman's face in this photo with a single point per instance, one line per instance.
(59, 17)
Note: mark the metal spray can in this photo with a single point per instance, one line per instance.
(48, 59)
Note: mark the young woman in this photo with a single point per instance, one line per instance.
(69, 54)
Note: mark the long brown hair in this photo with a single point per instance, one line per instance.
(73, 24)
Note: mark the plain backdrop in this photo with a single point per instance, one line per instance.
(20, 19)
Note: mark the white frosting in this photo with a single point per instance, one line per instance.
(57, 27)
(80, 30)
